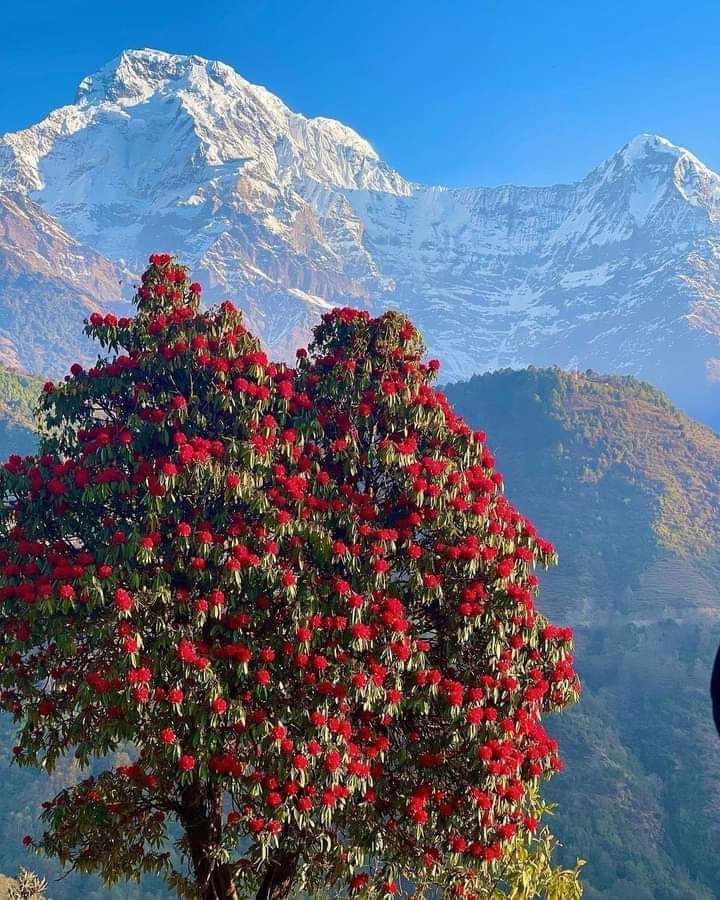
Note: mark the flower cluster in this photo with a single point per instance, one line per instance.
(300, 593)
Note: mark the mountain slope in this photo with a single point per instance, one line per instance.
(619, 272)
(629, 490)
(18, 396)
(48, 284)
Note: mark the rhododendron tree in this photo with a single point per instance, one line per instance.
(301, 601)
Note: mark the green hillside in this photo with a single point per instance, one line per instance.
(628, 488)
(18, 394)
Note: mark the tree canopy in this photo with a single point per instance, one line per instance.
(298, 595)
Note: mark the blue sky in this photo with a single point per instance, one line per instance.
(452, 92)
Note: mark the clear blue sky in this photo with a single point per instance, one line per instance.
(448, 91)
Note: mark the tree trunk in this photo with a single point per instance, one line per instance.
(221, 886)
(279, 877)
(201, 817)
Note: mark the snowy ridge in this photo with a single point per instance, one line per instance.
(619, 272)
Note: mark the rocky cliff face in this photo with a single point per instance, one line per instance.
(619, 272)
(49, 282)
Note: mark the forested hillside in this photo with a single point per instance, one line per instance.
(628, 488)
(17, 423)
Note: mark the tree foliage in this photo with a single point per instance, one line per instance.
(299, 594)
(27, 886)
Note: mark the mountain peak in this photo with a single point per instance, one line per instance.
(650, 171)
(644, 144)
(657, 150)
(136, 74)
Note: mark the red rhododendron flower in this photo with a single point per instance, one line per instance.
(186, 762)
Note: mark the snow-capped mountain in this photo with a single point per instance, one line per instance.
(49, 282)
(290, 215)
